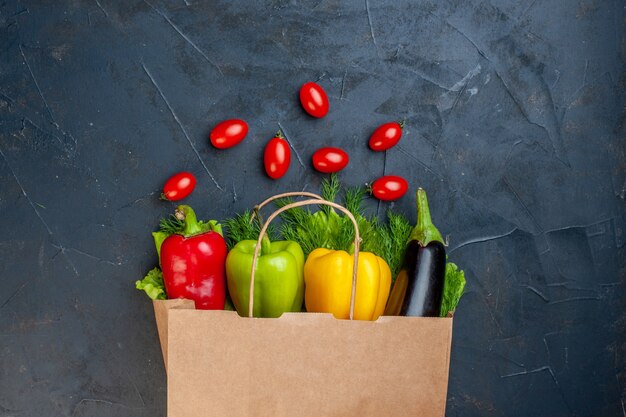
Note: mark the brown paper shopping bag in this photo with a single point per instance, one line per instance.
(302, 364)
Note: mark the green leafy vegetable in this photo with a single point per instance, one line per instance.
(211, 225)
(243, 227)
(323, 229)
(369, 228)
(395, 235)
(453, 288)
(171, 225)
(153, 285)
(159, 238)
(330, 190)
(328, 229)
(300, 226)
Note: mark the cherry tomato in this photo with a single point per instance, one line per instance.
(389, 187)
(277, 156)
(228, 133)
(314, 100)
(386, 136)
(329, 160)
(179, 186)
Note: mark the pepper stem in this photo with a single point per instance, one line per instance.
(265, 245)
(425, 231)
(186, 214)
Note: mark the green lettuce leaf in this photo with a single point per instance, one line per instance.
(211, 226)
(159, 238)
(453, 288)
(153, 285)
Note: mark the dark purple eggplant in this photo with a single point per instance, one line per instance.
(427, 268)
(418, 288)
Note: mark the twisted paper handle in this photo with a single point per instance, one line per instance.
(259, 206)
(315, 201)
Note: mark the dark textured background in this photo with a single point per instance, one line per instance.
(515, 126)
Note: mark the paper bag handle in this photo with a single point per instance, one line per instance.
(357, 241)
(258, 207)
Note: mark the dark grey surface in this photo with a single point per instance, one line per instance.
(514, 111)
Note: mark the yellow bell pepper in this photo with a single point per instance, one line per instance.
(328, 284)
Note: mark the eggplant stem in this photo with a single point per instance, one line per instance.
(425, 231)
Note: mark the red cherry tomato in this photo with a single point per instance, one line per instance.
(179, 186)
(314, 100)
(386, 136)
(277, 156)
(389, 187)
(329, 160)
(228, 133)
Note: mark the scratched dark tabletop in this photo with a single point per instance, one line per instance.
(514, 125)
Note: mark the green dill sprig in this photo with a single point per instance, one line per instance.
(171, 225)
(326, 228)
(354, 199)
(368, 227)
(297, 226)
(241, 227)
(330, 189)
(395, 235)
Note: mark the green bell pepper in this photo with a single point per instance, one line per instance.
(278, 279)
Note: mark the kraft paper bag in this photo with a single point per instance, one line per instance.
(302, 364)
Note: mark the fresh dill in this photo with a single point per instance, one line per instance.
(326, 228)
(395, 235)
(243, 227)
(171, 225)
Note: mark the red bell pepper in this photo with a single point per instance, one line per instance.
(193, 264)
